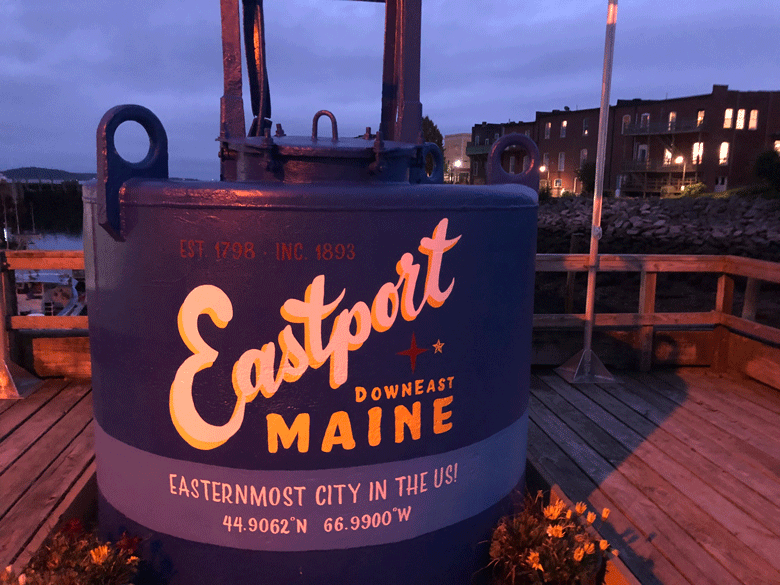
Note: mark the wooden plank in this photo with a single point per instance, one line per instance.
(39, 423)
(718, 494)
(45, 260)
(35, 461)
(53, 322)
(750, 501)
(630, 263)
(757, 392)
(726, 410)
(669, 484)
(577, 320)
(22, 409)
(646, 307)
(641, 557)
(724, 306)
(85, 487)
(669, 538)
(21, 522)
(750, 301)
(752, 268)
(62, 357)
(763, 332)
(700, 436)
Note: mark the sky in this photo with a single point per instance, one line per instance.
(64, 64)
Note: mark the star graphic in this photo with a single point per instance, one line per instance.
(438, 345)
(413, 352)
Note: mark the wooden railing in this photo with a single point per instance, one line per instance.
(645, 320)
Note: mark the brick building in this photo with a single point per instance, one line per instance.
(654, 146)
(456, 161)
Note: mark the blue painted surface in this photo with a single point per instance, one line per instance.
(473, 389)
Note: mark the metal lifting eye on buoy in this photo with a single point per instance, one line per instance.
(334, 126)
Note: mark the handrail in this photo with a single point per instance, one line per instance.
(645, 319)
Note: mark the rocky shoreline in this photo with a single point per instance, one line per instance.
(748, 227)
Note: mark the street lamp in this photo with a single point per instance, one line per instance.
(457, 164)
(544, 168)
(678, 160)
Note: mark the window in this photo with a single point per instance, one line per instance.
(561, 160)
(583, 156)
(496, 136)
(476, 141)
(753, 124)
(667, 156)
(546, 159)
(512, 164)
(727, 117)
(723, 156)
(584, 126)
(741, 119)
(777, 145)
(526, 162)
(672, 120)
(547, 127)
(700, 118)
(698, 152)
(641, 152)
(563, 128)
(557, 183)
(626, 123)
(645, 121)
(487, 141)
(476, 168)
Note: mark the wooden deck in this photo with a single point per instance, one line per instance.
(688, 461)
(46, 465)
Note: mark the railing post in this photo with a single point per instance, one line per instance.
(646, 307)
(7, 387)
(752, 288)
(724, 304)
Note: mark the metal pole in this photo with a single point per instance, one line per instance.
(585, 366)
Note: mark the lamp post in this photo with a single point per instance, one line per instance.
(678, 160)
(457, 164)
(544, 168)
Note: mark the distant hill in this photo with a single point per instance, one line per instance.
(36, 173)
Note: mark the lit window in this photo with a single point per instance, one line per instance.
(546, 159)
(563, 129)
(753, 124)
(626, 122)
(698, 152)
(584, 126)
(667, 156)
(672, 120)
(700, 118)
(727, 118)
(645, 122)
(561, 160)
(740, 119)
(547, 127)
(723, 156)
(512, 164)
(583, 155)
(557, 183)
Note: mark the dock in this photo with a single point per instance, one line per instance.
(683, 448)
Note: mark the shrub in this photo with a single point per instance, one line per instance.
(547, 544)
(767, 168)
(545, 194)
(695, 190)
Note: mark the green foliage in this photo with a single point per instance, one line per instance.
(547, 544)
(767, 168)
(587, 176)
(695, 190)
(431, 134)
(73, 556)
(545, 193)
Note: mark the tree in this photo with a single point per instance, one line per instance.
(767, 168)
(587, 176)
(431, 133)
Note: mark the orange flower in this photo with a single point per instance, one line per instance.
(533, 560)
(578, 554)
(552, 511)
(603, 544)
(580, 508)
(590, 548)
(591, 517)
(555, 531)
